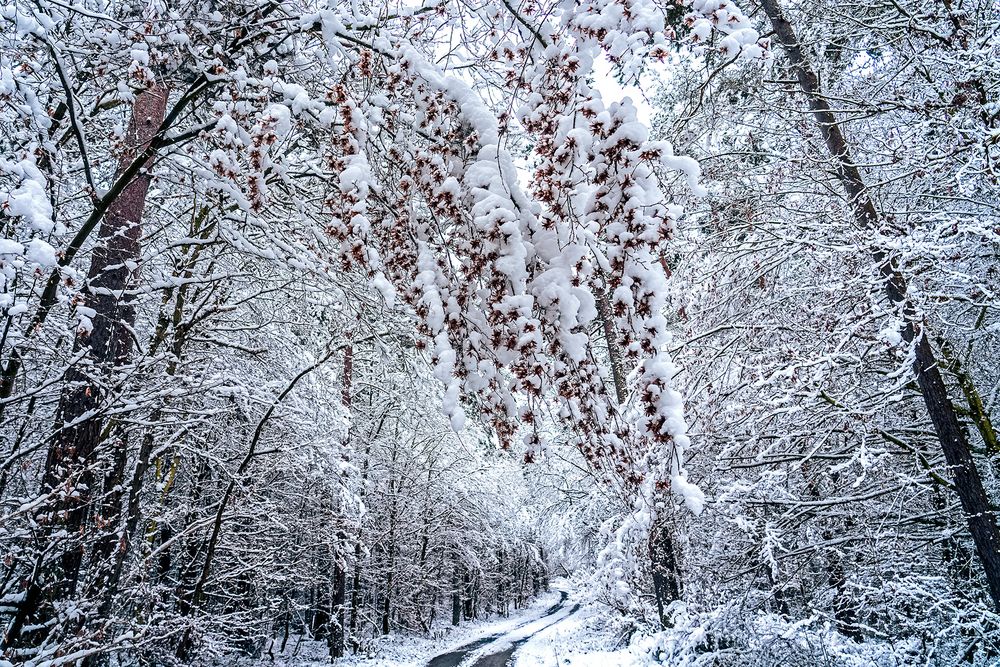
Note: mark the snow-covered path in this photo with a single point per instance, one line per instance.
(589, 638)
(500, 647)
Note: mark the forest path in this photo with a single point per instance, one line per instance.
(501, 658)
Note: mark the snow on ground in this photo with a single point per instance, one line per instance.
(518, 634)
(582, 639)
(404, 650)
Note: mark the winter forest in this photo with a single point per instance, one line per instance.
(499, 333)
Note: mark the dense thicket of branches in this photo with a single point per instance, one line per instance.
(330, 321)
(834, 495)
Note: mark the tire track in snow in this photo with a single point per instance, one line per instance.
(502, 658)
(455, 658)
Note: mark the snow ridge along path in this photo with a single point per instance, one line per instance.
(514, 639)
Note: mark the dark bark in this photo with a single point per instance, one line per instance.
(468, 602)
(961, 466)
(456, 598)
(319, 612)
(345, 397)
(666, 576)
(614, 349)
(844, 612)
(69, 468)
(356, 580)
(424, 546)
(843, 607)
(355, 595)
(387, 605)
(391, 555)
(30, 603)
(336, 636)
(108, 520)
(502, 578)
(128, 173)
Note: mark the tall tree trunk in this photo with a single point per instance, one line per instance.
(456, 598)
(338, 624)
(662, 556)
(338, 612)
(356, 578)
(424, 546)
(109, 344)
(469, 609)
(391, 554)
(961, 466)
(69, 467)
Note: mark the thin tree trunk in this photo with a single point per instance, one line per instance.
(424, 544)
(663, 561)
(961, 466)
(468, 598)
(456, 598)
(391, 555)
(666, 580)
(356, 580)
(338, 611)
(614, 350)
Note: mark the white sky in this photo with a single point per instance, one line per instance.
(611, 91)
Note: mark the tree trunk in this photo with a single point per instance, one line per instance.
(961, 466)
(391, 541)
(666, 578)
(71, 456)
(456, 598)
(468, 601)
(356, 580)
(69, 467)
(336, 638)
(336, 635)
(614, 349)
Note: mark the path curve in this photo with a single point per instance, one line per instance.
(454, 658)
(502, 658)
